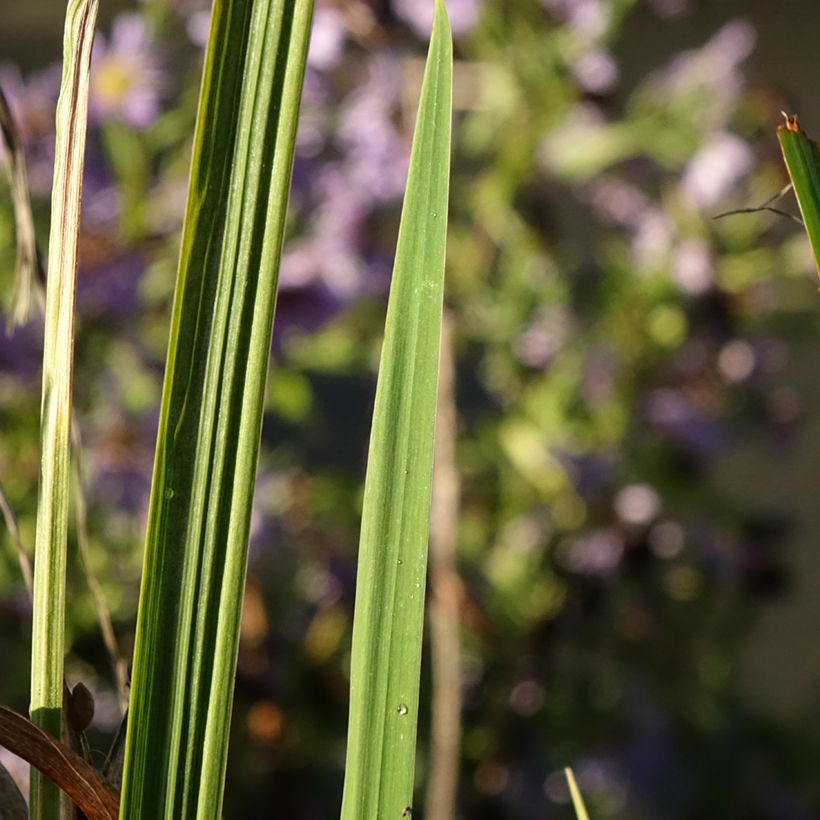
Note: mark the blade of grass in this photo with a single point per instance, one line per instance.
(30, 276)
(210, 418)
(14, 531)
(802, 158)
(55, 423)
(28, 265)
(387, 626)
(575, 794)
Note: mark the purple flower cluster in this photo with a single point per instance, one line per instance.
(127, 78)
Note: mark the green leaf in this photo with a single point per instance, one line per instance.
(802, 158)
(47, 641)
(211, 413)
(387, 628)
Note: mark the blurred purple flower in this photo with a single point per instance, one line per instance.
(692, 267)
(603, 780)
(33, 103)
(315, 128)
(653, 238)
(21, 353)
(376, 152)
(596, 71)
(710, 76)
(621, 202)
(101, 197)
(32, 100)
(327, 39)
(667, 539)
(19, 771)
(597, 553)
(319, 261)
(127, 80)
(122, 454)
(198, 27)
(593, 66)
(588, 18)
(108, 281)
(616, 200)
(591, 473)
(538, 344)
(637, 504)
(715, 168)
(689, 424)
(418, 14)
(336, 258)
(264, 524)
(737, 361)
(310, 293)
(345, 172)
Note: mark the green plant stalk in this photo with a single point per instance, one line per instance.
(388, 620)
(55, 424)
(443, 607)
(211, 412)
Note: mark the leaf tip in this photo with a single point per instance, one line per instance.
(441, 20)
(792, 123)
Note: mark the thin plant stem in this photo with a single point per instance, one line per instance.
(115, 658)
(575, 794)
(31, 279)
(445, 647)
(14, 532)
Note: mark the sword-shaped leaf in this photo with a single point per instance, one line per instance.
(388, 620)
(211, 412)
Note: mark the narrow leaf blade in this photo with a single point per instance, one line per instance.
(55, 423)
(575, 794)
(388, 619)
(210, 418)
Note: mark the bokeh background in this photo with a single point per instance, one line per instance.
(638, 415)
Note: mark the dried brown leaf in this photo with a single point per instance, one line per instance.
(82, 783)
